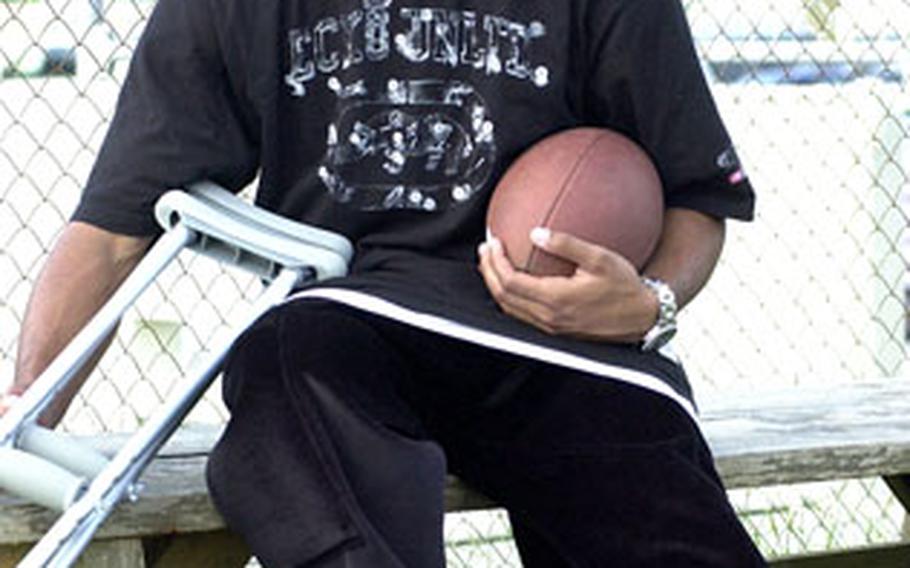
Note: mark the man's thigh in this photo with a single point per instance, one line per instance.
(595, 472)
(312, 464)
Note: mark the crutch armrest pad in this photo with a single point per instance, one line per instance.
(231, 229)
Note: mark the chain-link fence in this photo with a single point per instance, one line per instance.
(815, 95)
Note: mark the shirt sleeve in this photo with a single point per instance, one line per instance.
(648, 83)
(178, 120)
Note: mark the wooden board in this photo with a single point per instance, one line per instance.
(810, 434)
(776, 438)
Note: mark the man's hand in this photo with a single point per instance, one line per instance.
(603, 300)
(7, 400)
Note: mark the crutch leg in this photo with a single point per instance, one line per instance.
(62, 545)
(212, 222)
(45, 388)
(18, 426)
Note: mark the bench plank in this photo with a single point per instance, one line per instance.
(787, 437)
(810, 434)
(174, 500)
(98, 554)
(219, 549)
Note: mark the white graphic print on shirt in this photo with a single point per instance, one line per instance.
(423, 145)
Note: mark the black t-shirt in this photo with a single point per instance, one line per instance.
(389, 121)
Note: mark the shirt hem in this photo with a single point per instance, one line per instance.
(436, 324)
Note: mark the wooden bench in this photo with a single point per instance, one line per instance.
(792, 436)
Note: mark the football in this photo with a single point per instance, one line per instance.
(593, 183)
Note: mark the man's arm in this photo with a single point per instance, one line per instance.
(687, 252)
(605, 299)
(84, 268)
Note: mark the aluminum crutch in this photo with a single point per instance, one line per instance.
(50, 470)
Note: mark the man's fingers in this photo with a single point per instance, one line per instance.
(490, 277)
(6, 402)
(500, 276)
(588, 256)
(511, 304)
(508, 286)
(525, 310)
(517, 283)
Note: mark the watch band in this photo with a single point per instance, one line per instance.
(664, 328)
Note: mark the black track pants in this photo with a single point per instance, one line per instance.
(343, 425)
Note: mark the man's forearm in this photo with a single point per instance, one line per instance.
(687, 253)
(84, 268)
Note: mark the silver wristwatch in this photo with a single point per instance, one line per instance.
(664, 328)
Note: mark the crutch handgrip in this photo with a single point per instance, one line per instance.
(38, 480)
(62, 450)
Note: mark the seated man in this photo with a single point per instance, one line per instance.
(390, 124)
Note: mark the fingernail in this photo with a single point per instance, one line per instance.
(540, 236)
(482, 249)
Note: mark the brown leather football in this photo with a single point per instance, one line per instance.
(593, 183)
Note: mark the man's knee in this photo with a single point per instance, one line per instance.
(252, 359)
(288, 339)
